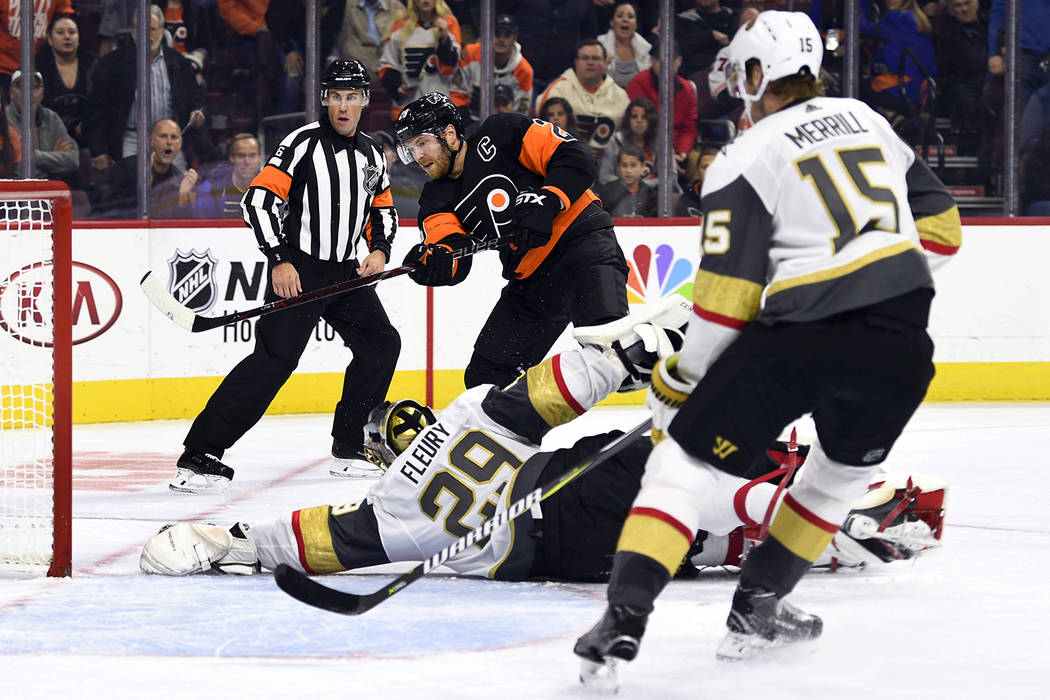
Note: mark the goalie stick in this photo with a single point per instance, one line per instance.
(303, 588)
(168, 305)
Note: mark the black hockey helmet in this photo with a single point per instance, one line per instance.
(430, 114)
(345, 75)
(392, 427)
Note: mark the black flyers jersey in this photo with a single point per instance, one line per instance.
(508, 153)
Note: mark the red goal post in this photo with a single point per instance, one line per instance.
(36, 339)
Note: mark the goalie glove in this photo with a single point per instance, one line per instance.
(185, 548)
(667, 393)
(533, 216)
(639, 339)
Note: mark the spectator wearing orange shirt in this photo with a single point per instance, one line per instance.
(11, 33)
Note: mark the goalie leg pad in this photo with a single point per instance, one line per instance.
(187, 548)
(898, 518)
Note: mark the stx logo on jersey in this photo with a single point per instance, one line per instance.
(655, 274)
(193, 279)
(529, 198)
(723, 448)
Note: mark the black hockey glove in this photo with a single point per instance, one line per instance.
(534, 212)
(438, 266)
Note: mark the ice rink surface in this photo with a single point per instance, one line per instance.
(970, 620)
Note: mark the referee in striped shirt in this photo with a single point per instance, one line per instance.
(334, 182)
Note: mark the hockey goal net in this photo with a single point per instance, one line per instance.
(35, 379)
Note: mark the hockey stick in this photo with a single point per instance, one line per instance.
(168, 305)
(301, 587)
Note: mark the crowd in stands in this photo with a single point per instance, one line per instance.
(227, 82)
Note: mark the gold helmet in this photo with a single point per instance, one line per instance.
(392, 427)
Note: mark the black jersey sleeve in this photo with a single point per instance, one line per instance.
(566, 165)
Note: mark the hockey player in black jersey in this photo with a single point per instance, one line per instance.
(524, 178)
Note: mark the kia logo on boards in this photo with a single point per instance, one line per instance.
(25, 303)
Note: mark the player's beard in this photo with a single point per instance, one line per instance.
(442, 164)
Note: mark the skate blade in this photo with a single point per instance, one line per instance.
(601, 678)
(189, 481)
(747, 647)
(353, 469)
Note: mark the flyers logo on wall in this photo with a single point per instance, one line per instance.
(26, 311)
(192, 279)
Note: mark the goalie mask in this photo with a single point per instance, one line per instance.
(783, 44)
(392, 427)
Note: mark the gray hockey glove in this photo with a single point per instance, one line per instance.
(533, 216)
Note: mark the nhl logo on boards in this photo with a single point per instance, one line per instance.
(193, 279)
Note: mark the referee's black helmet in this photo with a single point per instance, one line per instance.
(345, 75)
(430, 114)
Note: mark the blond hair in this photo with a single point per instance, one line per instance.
(922, 22)
(411, 15)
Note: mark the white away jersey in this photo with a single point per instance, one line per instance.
(810, 213)
(462, 470)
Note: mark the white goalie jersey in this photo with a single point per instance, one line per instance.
(455, 475)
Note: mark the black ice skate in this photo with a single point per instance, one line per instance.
(610, 643)
(351, 462)
(759, 621)
(199, 473)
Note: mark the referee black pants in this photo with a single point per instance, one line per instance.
(280, 339)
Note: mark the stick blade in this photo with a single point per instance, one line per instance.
(161, 298)
(306, 590)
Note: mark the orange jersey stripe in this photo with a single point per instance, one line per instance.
(275, 180)
(383, 199)
(442, 225)
(537, 148)
(535, 256)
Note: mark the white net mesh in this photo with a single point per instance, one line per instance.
(26, 387)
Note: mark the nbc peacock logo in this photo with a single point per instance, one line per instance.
(653, 275)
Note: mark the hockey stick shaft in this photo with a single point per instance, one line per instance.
(167, 304)
(302, 588)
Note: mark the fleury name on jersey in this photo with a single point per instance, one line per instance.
(423, 453)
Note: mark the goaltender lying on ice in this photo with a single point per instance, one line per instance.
(446, 476)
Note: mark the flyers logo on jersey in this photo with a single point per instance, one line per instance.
(485, 210)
